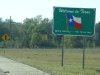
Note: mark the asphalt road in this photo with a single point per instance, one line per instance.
(2, 73)
(10, 67)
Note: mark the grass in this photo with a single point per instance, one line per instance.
(49, 60)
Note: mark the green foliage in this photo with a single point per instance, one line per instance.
(37, 32)
(77, 42)
(97, 34)
(68, 41)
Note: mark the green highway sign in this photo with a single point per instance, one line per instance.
(73, 21)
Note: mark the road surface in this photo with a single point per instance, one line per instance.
(2, 73)
(10, 67)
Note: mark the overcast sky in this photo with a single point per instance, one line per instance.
(21, 9)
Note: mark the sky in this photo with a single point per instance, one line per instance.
(21, 9)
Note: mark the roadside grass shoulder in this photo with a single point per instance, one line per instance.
(49, 60)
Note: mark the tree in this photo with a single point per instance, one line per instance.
(97, 34)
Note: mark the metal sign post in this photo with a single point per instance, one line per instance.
(84, 46)
(62, 59)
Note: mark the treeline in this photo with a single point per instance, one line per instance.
(37, 33)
